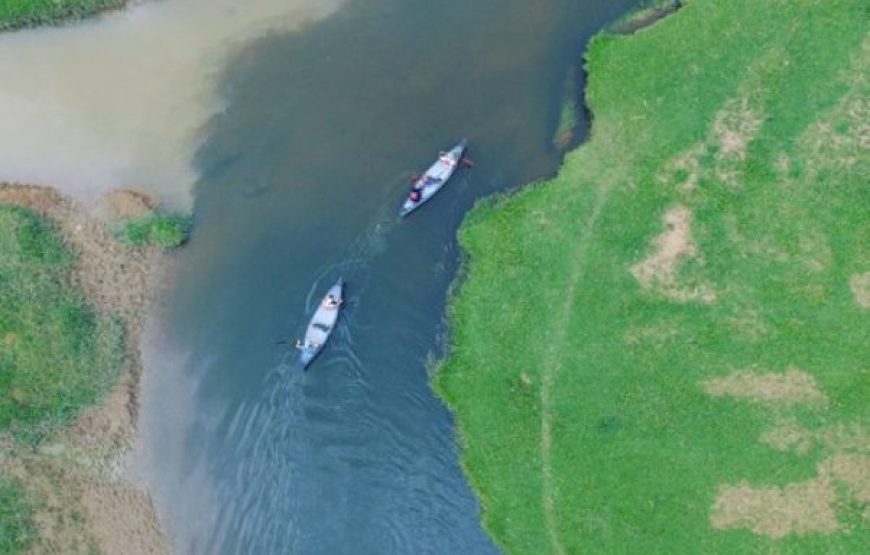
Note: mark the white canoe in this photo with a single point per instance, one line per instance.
(322, 324)
(434, 179)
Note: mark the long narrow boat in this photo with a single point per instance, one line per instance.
(321, 325)
(434, 179)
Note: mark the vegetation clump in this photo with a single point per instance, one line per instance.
(647, 14)
(566, 129)
(30, 13)
(162, 230)
(656, 299)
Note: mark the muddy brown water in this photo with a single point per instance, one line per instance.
(302, 176)
(121, 99)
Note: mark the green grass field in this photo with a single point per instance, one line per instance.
(56, 355)
(664, 348)
(28, 13)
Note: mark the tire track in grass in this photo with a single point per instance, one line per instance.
(553, 365)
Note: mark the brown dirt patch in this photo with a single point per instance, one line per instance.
(81, 509)
(786, 388)
(789, 435)
(105, 430)
(116, 278)
(846, 438)
(842, 149)
(853, 471)
(125, 204)
(122, 519)
(801, 508)
(841, 138)
(734, 127)
(74, 475)
(670, 249)
(860, 286)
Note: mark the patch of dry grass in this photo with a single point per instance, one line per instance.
(782, 388)
(789, 435)
(860, 286)
(81, 507)
(659, 270)
(733, 128)
(800, 508)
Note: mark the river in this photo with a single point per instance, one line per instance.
(300, 179)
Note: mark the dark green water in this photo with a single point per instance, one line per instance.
(301, 180)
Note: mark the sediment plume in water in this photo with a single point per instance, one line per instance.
(123, 100)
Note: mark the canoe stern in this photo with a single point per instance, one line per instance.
(306, 356)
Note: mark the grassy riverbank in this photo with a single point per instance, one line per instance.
(663, 349)
(29, 13)
(58, 355)
(72, 303)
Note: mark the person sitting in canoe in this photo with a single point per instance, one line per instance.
(331, 302)
(415, 195)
